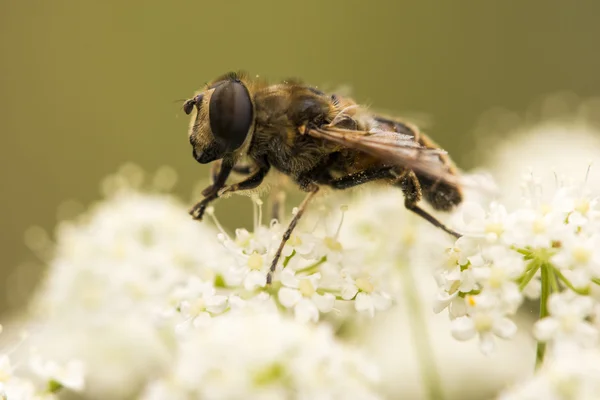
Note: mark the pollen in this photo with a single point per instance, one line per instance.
(255, 261)
(364, 285)
(306, 288)
(581, 255)
(471, 300)
(333, 244)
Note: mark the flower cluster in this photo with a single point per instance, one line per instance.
(569, 374)
(317, 271)
(38, 378)
(135, 286)
(258, 355)
(546, 249)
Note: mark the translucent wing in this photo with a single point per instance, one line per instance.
(391, 147)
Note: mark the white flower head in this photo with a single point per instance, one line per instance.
(70, 375)
(302, 295)
(485, 320)
(265, 355)
(567, 320)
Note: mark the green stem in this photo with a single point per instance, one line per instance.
(541, 346)
(312, 267)
(432, 383)
(534, 266)
(553, 279)
(567, 283)
(596, 281)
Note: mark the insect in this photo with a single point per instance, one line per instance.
(316, 139)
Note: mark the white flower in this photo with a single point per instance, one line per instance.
(538, 228)
(579, 253)
(70, 375)
(452, 284)
(119, 353)
(22, 389)
(485, 320)
(569, 375)
(367, 298)
(497, 276)
(196, 302)
(567, 320)
(477, 223)
(127, 253)
(301, 294)
(250, 355)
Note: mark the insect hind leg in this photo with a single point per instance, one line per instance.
(411, 188)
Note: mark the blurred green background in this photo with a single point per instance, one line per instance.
(88, 85)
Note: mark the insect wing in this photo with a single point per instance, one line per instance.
(395, 148)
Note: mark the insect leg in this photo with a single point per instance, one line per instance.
(242, 169)
(212, 192)
(409, 183)
(359, 178)
(250, 182)
(312, 190)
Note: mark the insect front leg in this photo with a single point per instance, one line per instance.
(242, 169)
(409, 183)
(312, 190)
(211, 193)
(251, 182)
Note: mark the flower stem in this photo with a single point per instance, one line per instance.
(546, 288)
(567, 283)
(432, 383)
(533, 268)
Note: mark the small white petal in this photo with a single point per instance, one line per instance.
(349, 291)
(545, 329)
(288, 278)
(381, 301)
(201, 320)
(477, 261)
(364, 302)
(324, 302)
(306, 311)
(216, 304)
(487, 344)
(289, 297)
(588, 335)
(472, 213)
(458, 307)
(443, 300)
(504, 328)
(463, 328)
(255, 279)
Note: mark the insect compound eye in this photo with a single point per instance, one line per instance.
(188, 106)
(231, 114)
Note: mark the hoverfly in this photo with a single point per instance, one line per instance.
(316, 139)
